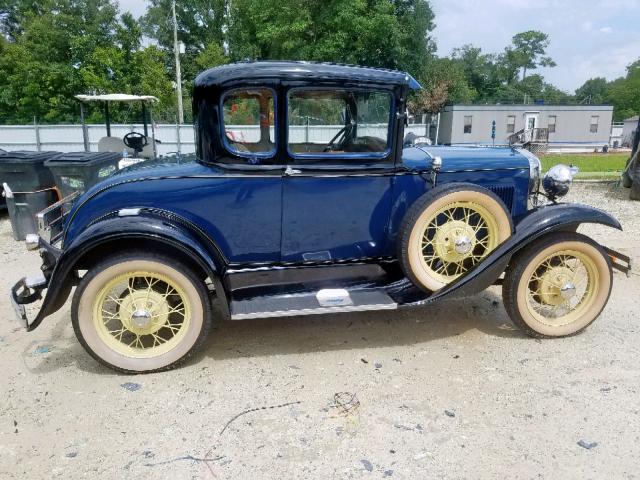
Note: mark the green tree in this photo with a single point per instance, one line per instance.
(593, 91)
(201, 25)
(200, 22)
(416, 19)
(262, 30)
(483, 72)
(528, 51)
(508, 65)
(623, 93)
(15, 13)
(379, 33)
(152, 79)
(55, 49)
(201, 29)
(47, 44)
(211, 56)
(495, 78)
(443, 82)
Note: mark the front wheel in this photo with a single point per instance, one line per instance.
(558, 285)
(140, 312)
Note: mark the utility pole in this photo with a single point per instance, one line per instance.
(176, 51)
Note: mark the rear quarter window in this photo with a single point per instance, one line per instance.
(249, 121)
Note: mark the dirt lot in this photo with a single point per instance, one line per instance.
(448, 391)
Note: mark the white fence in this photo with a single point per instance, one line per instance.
(68, 138)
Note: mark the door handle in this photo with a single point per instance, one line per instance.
(291, 171)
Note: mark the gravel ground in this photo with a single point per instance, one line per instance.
(446, 391)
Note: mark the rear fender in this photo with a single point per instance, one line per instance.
(531, 226)
(159, 227)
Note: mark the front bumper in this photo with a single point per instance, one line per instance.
(29, 290)
(619, 261)
(25, 292)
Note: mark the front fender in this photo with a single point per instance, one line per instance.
(528, 228)
(149, 224)
(531, 226)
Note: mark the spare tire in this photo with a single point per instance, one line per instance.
(448, 231)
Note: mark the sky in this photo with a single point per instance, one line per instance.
(589, 38)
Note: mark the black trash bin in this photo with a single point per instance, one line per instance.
(29, 181)
(25, 171)
(77, 171)
(23, 207)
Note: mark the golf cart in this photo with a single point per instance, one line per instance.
(134, 146)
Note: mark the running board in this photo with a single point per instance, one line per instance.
(314, 303)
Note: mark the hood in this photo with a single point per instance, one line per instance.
(456, 159)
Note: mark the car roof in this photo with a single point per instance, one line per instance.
(289, 70)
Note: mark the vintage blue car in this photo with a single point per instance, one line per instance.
(306, 198)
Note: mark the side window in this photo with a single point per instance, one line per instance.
(468, 121)
(338, 122)
(552, 123)
(248, 121)
(511, 124)
(595, 119)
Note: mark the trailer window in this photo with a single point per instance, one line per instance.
(468, 121)
(552, 123)
(511, 124)
(595, 119)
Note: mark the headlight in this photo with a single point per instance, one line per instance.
(535, 169)
(557, 180)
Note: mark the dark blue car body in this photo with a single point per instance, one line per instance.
(272, 218)
(281, 222)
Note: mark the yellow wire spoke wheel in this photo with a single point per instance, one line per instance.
(449, 232)
(457, 237)
(558, 285)
(140, 312)
(562, 287)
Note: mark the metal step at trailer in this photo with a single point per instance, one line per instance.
(312, 303)
(536, 140)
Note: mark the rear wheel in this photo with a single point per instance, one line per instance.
(141, 312)
(558, 285)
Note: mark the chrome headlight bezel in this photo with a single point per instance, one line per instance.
(558, 180)
(535, 171)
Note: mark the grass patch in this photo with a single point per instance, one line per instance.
(590, 162)
(598, 176)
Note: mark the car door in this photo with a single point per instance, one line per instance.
(244, 205)
(336, 196)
